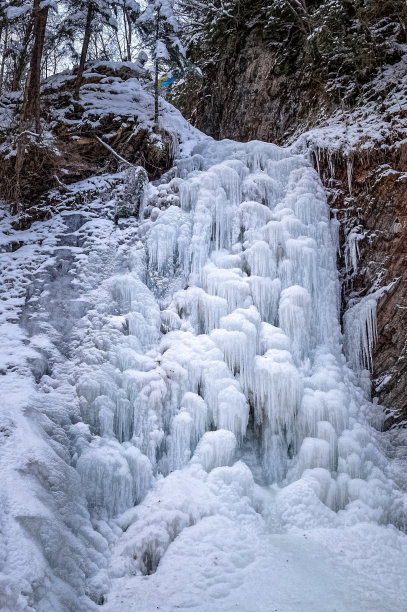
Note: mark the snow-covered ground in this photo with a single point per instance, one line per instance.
(179, 426)
(377, 122)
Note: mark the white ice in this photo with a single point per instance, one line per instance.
(196, 396)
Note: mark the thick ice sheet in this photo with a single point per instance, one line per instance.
(196, 438)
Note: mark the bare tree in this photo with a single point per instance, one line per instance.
(4, 55)
(22, 58)
(84, 52)
(32, 103)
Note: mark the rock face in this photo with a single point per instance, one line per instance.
(378, 209)
(373, 236)
(248, 101)
(243, 99)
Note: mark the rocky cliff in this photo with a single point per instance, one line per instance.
(374, 235)
(244, 99)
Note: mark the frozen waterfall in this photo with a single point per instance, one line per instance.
(239, 271)
(220, 436)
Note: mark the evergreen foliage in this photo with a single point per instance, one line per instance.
(337, 44)
(159, 31)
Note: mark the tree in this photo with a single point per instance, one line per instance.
(93, 15)
(130, 12)
(22, 55)
(86, 15)
(4, 29)
(84, 52)
(32, 104)
(31, 110)
(16, 24)
(333, 46)
(159, 29)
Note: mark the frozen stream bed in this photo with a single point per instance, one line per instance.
(180, 427)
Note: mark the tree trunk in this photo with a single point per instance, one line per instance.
(31, 110)
(84, 53)
(32, 106)
(3, 59)
(104, 55)
(22, 59)
(127, 32)
(157, 66)
(156, 109)
(122, 57)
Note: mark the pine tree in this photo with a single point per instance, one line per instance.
(87, 15)
(16, 25)
(159, 29)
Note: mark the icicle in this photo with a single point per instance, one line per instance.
(278, 390)
(229, 285)
(230, 181)
(233, 411)
(273, 338)
(195, 406)
(188, 191)
(275, 236)
(260, 188)
(254, 215)
(223, 221)
(265, 294)
(114, 478)
(238, 342)
(352, 251)
(274, 455)
(234, 346)
(325, 431)
(316, 153)
(314, 453)
(349, 170)
(187, 165)
(360, 326)
(260, 260)
(295, 317)
(203, 310)
(168, 241)
(180, 440)
(331, 165)
(216, 448)
(303, 255)
(334, 228)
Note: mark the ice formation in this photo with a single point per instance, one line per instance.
(361, 331)
(212, 393)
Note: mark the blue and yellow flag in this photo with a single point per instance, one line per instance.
(166, 80)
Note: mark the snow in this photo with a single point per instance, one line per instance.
(181, 428)
(14, 12)
(376, 123)
(264, 572)
(367, 126)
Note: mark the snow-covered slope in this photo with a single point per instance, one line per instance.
(180, 426)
